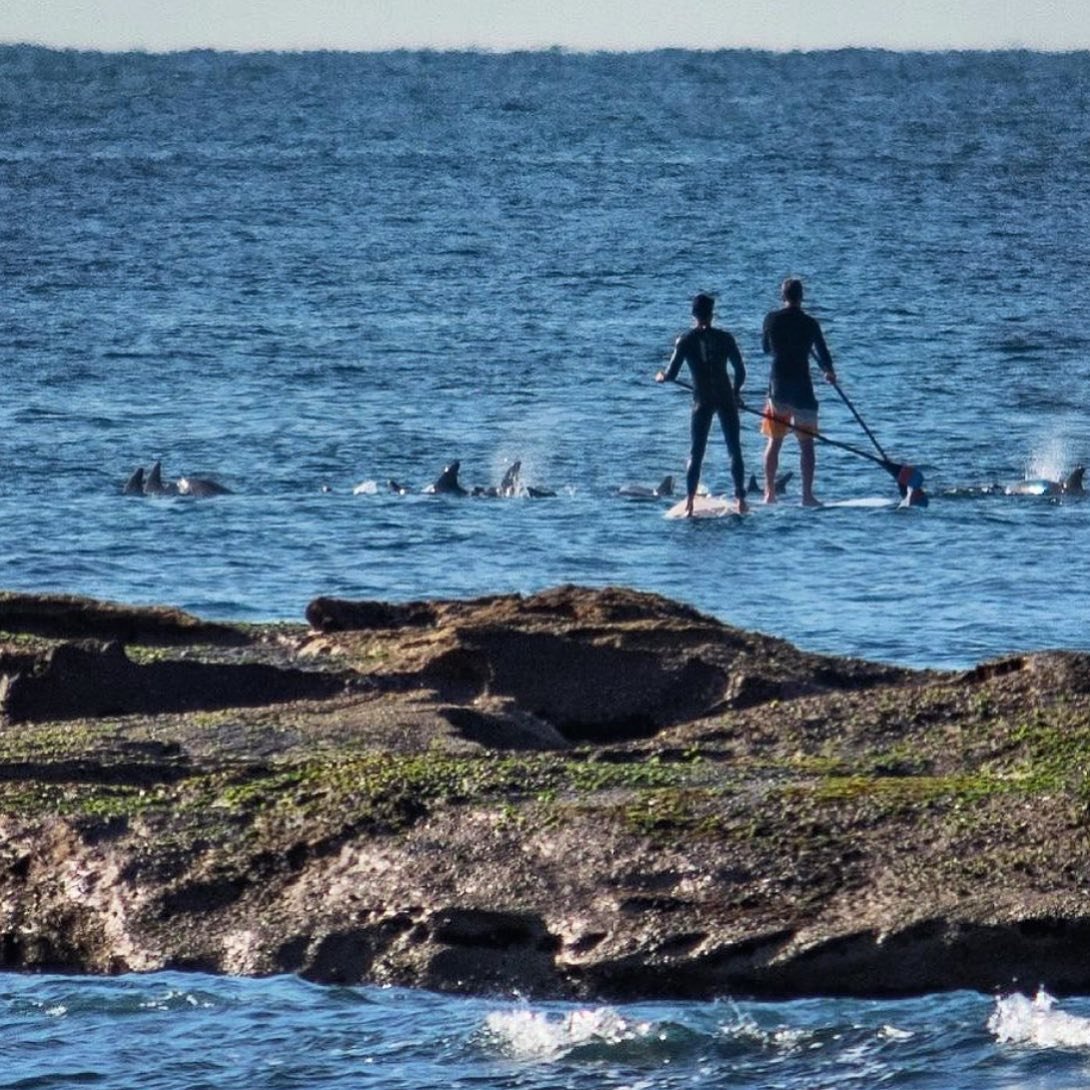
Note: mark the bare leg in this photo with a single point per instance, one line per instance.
(807, 461)
(772, 462)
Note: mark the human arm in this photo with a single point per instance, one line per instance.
(822, 355)
(734, 355)
(672, 368)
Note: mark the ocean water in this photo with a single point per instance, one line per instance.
(297, 272)
(308, 275)
(168, 1031)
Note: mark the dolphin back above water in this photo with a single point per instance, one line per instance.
(781, 483)
(507, 487)
(665, 487)
(134, 486)
(201, 486)
(447, 483)
(1071, 485)
(152, 483)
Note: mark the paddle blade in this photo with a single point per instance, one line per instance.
(908, 478)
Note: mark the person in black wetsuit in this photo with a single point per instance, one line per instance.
(707, 351)
(789, 335)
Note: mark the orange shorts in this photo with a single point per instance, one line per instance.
(780, 418)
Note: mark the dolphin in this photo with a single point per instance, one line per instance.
(154, 485)
(665, 487)
(1071, 485)
(781, 483)
(201, 486)
(134, 486)
(396, 487)
(510, 483)
(447, 482)
(507, 487)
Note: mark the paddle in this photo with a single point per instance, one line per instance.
(908, 478)
(855, 413)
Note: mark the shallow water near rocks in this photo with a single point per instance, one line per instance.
(171, 1030)
(301, 274)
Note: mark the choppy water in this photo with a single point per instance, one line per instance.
(309, 272)
(169, 1031)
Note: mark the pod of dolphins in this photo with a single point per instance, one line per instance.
(153, 483)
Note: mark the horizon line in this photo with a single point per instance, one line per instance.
(544, 49)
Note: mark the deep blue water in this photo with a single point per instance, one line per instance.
(293, 272)
(301, 274)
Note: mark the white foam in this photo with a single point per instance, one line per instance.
(1019, 1020)
(535, 1035)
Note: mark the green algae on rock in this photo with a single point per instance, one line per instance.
(577, 793)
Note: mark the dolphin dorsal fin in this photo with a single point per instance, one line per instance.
(511, 478)
(447, 481)
(135, 483)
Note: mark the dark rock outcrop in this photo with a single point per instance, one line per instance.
(85, 679)
(577, 793)
(71, 618)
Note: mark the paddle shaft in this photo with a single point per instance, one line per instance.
(862, 422)
(892, 468)
(855, 412)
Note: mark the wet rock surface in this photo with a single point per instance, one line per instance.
(585, 793)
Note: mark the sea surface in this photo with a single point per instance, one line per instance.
(307, 275)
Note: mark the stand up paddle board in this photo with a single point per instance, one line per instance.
(705, 507)
(863, 501)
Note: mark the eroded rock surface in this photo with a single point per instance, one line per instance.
(595, 793)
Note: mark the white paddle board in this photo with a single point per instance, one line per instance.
(863, 501)
(705, 507)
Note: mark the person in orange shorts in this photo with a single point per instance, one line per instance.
(789, 336)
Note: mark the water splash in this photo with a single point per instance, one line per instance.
(1050, 460)
(1019, 1020)
(540, 1036)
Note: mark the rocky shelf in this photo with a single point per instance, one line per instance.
(579, 793)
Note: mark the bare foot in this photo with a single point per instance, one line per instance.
(743, 507)
(811, 501)
(689, 508)
(770, 497)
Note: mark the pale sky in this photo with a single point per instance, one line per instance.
(164, 25)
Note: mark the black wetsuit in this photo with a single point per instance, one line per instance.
(789, 335)
(706, 351)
